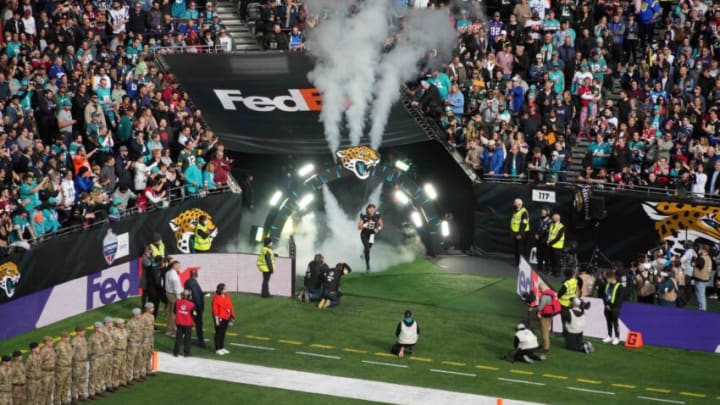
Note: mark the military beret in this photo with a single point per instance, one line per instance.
(98, 324)
(120, 322)
(33, 345)
(64, 334)
(6, 358)
(149, 305)
(79, 329)
(136, 311)
(17, 353)
(46, 338)
(108, 319)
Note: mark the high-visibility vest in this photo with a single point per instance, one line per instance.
(261, 264)
(157, 250)
(516, 221)
(610, 296)
(552, 234)
(201, 244)
(571, 287)
(408, 334)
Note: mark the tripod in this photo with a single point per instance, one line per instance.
(597, 256)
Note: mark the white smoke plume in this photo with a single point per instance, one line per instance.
(401, 63)
(351, 68)
(342, 242)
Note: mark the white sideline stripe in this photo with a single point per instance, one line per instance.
(253, 346)
(661, 400)
(519, 381)
(324, 356)
(314, 383)
(592, 391)
(435, 370)
(380, 363)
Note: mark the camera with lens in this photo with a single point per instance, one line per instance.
(585, 305)
(529, 298)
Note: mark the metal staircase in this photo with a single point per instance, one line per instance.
(243, 38)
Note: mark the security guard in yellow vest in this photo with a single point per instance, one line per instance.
(266, 264)
(520, 226)
(556, 243)
(202, 241)
(569, 290)
(155, 272)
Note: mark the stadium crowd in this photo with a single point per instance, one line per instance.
(639, 79)
(90, 127)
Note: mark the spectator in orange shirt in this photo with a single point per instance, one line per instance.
(81, 159)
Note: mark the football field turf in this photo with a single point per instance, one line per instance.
(467, 323)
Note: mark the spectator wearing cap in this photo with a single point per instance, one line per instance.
(19, 378)
(33, 369)
(6, 380)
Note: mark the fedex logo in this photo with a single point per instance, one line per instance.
(110, 286)
(297, 100)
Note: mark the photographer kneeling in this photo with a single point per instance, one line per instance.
(574, 321)
(526, 346)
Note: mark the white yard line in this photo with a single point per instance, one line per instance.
(435, 370)
(252, 346)
(592, 391)
(661, 400)
(324, 356)
(318, 383)
(519, 381)
(382, 363)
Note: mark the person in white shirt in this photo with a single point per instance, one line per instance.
(67, 190)
(526, 346)
(225, 41)
(141, 173)
(29, 23)
(119, 16)
(173, 289)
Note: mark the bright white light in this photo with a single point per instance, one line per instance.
(275, 199)
(444, 229)
(305, 201)
(430, 191)
(417, 219)
(259, 234)
(305, 170)
(400, 165)
(401, 197)
(288, 228)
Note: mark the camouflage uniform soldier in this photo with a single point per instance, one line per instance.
(119, 371)
(47, 355)
(33, 372)
(6, 381)
(63, 369)
(96, 351)
(136, 335)
(148, 340)
(79, 365)
(109, 352)
(18, 378)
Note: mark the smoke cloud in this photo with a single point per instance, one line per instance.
(352, 68)
(341, 241)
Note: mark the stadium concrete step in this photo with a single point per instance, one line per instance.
(243, 39)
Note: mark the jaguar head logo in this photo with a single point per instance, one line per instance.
(9, 278)
(677, 223)
(359, 160)
(184, 227)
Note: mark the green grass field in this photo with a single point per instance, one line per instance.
(467, 323)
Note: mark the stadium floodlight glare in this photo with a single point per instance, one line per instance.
(305, 170)
(305, 201)
(416, 219)
(444, 229)
(275, 199)
(403, 166)
(259, 234)
(401, 197)
(430, 191)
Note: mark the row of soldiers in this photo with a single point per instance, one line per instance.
(116, 355)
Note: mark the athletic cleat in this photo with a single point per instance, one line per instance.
(615, 341)
(219, 352)
(542, 357)
(586, 347)
(402, 352)
(321, 303)
(527, 359)
(607, 340)
(590, 345)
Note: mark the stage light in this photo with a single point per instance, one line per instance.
(403, 166)
(444, 229)
(430, 191)
(401, 197)
(275, 199)
(416, 219)
(305, 170)
(305, 201)
(259, 234)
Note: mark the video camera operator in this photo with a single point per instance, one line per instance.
(574, 321)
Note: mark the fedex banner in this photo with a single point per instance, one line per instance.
(270, 94)
(527, 281)
(122, 281)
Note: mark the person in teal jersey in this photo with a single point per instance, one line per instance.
(557, 77)
(442, 82)
(178, 9)
(194, 177)
(209, 177)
